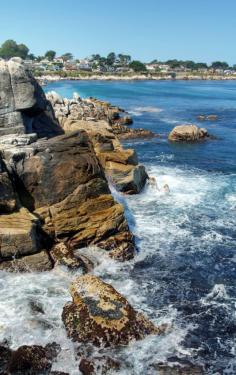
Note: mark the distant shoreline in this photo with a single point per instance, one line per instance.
(44, 80)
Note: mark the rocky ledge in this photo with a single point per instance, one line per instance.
(54, 180)
(101, 120)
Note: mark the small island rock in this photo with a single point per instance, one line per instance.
(187, 133)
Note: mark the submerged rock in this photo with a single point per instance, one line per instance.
(28, 360)
(207, 117)
(165, 369)
(98, 365)
(101, 316)
(187, 133)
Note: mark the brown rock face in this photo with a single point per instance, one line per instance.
(187, 133)
(62, 182)
(102, 121)
(30, 263)
(100, 315)
(19, 234)
(7, 194)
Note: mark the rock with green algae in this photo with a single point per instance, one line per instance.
(102, 316)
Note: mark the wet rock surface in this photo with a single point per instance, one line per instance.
(98, 365)
(101, 316)
(28, 360)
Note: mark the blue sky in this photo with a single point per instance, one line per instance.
(202, 30)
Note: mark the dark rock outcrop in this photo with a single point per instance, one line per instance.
(98, 365)
(28, 360)
(101, 316)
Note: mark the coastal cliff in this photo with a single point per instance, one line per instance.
(53, 184)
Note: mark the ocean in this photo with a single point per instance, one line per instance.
(185, 271)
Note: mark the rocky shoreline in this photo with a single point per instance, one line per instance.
(58, 158)
(45, 79)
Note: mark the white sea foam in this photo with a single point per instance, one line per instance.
(163, 224)
(138, 111)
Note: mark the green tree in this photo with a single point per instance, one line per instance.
(174, 63)
(111, 58)
(201, 66)
(67, 56)
(11, 49)
(219, 65)
(124, 59)
(137, 66)
(50, 55)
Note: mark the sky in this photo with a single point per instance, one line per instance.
(199, 30)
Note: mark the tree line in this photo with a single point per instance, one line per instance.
(11, 49)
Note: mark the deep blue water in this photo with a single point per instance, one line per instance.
(185, 272)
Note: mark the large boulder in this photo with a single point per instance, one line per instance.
(61, 181)
(120, 165)
(102, 316)
(23, 105)
(187, 133)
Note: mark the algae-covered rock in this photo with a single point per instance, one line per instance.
(102, 316)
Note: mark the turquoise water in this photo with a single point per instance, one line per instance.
(185, 271)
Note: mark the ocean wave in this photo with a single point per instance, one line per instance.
(138, 111)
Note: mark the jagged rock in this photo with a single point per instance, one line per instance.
(62, 255)
(125, 132)
(19, 234)
(5, 355)
(7, 193)
(23, 105)
(98, 365)
(165, 369)
(126, 120)
(61, 180)
(76, 114)
(207, 117)
(187, 133)
(32, 360)
(101, 316)
(127, 179)
(119, 164)
(31, 263)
